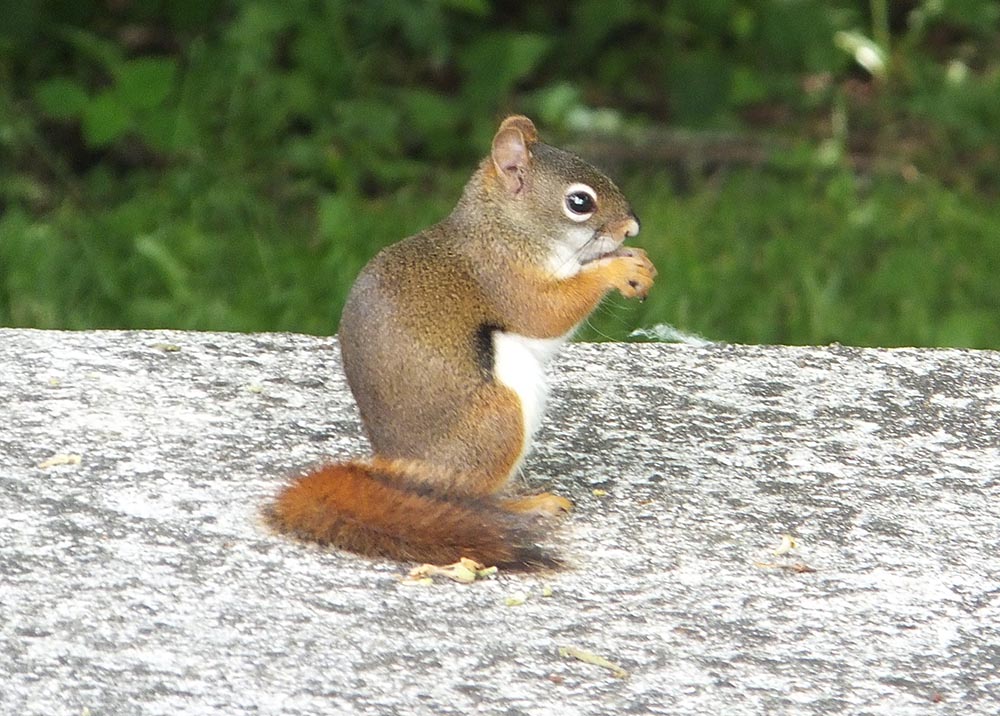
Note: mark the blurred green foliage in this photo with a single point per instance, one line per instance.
(231, 164)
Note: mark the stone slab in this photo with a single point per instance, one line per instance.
(141, 579)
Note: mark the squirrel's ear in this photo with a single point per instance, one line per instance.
(510, 151)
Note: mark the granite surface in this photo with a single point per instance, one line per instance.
(136, 576)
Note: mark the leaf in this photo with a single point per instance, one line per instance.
(476, 7)
(591, 658)
(700, 87)
(92, 45)
(430, 112)
(865, 52)
(495, 63)
(555, 102)
(334, 215)
(61, 97)
(170, 267)
(145, 82)
(157, 127)
(105, 120)
(435, 121)
(60, 459)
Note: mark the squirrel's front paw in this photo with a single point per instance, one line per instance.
(635, 273)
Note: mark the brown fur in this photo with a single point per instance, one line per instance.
(416, 341)
(377, 508)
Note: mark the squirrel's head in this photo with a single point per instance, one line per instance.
(556, 197)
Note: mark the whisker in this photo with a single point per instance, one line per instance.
(597, 330)
(575, 256)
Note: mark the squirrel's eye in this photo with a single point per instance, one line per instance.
(580, 203)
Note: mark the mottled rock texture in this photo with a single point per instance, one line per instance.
(141, 579)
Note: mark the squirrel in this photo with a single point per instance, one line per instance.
(444, 339)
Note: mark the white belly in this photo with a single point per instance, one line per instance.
(519, 363)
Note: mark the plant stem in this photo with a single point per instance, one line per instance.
(880, 26)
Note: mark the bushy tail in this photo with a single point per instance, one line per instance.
(377, 508)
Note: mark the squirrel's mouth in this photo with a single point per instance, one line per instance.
(608, 241)
(616, 250)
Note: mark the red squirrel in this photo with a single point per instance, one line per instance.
(445, 337)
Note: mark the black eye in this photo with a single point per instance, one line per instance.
(580, 202)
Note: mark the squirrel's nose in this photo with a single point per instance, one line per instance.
(632, 226)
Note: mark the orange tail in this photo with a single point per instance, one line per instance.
(376, 508)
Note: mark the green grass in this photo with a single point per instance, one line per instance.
(197, 252)
(751, 255)
(232, 164)
(881, 262)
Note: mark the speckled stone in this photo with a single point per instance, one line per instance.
(141, 579)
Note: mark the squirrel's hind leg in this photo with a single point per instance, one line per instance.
(485, 444)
